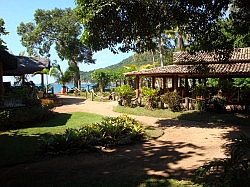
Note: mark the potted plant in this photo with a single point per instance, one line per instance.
(62, 77)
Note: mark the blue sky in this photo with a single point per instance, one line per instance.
(16, 11)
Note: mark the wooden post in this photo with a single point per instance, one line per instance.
(164, 83)
(186, 86)
(1, 79)
(92, 96)
(42, 79)
(153, 82)
(137, 80)
(186, 103)
(175, 83)
(194, 83)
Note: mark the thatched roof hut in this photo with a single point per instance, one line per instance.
(11, 65)
(28, 65)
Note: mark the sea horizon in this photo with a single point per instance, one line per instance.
(57, 87)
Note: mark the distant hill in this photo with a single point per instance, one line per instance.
(136, 59)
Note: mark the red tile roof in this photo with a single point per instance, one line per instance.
(237, 66)
(238, 55)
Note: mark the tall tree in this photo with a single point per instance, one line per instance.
(58, 28)
(123, 25)
(2, 32)
(240, 20)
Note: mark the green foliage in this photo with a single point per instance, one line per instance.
(219, 103)
(125, 94)
(25, 94)
(173, 100)
(239, 16)
(110, 131)
(25, 117)
(232, 171)
(56, 27)
(200, 91)
(138, 25)
(241, 82)
(150, 97)
(102, 77)
(2, 32)
(60, 76)
(137, 60)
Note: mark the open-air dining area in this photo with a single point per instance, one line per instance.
(190, 73)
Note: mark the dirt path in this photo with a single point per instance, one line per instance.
(184, 146)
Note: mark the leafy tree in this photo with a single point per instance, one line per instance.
(136, 25)
(57, 28)
(242, 82)
(240, 19)
(102, 78)
(2, 32)
(227, 32)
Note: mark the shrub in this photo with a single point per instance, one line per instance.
(219, 103)
(110, 131)
(125, 94)
(25, 116)
(150, 97)
(173, 100)
(200, 91)
(25, 93)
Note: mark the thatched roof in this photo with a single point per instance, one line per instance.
(202, 65)
(28, 65)
(9, 61)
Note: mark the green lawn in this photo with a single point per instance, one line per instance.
(18, 146)
(22, 144)
(191, 115)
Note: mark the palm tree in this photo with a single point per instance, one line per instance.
(62, 77)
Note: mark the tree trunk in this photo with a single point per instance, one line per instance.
(181, 42)
(76, 79)
(161, 51)
(76, 74)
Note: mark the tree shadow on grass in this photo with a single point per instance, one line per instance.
(17, 149)
(224, 118)
(58, 119)
(21, 145)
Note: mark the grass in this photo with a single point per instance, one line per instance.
(135, 182)
(22, 144)
(191, 115)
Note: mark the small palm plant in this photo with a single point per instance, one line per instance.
(60, 76)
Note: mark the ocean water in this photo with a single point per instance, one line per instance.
(58, 87)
